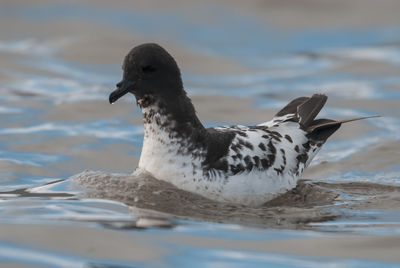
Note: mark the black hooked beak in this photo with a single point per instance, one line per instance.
(123, 88)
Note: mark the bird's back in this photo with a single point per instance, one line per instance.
(260, 161)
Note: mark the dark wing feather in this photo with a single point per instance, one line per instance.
(291, 107)
(217, 144)
(308, 110)
(305, 109)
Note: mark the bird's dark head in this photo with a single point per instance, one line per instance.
(149, 71)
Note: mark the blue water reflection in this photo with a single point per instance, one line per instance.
(281, 63)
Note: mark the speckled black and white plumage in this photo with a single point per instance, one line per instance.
(240, 164)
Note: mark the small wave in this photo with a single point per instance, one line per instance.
(96, 128)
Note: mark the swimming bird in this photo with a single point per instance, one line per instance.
(246, 165)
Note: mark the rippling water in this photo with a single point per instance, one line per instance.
(60, 60)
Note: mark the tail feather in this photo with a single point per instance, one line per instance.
(322, 129)
(306, 109)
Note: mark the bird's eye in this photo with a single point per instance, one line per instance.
(148, 69)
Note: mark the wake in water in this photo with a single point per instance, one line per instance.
(308, 202)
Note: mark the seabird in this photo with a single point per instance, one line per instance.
(246, 165)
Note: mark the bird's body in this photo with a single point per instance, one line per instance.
(238, 164)
(255, 163)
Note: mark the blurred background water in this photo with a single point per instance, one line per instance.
(241, 61)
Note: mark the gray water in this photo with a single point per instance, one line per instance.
(66, 196)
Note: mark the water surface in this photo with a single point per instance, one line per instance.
(240, 64)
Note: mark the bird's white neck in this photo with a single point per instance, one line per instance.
(167, 153)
